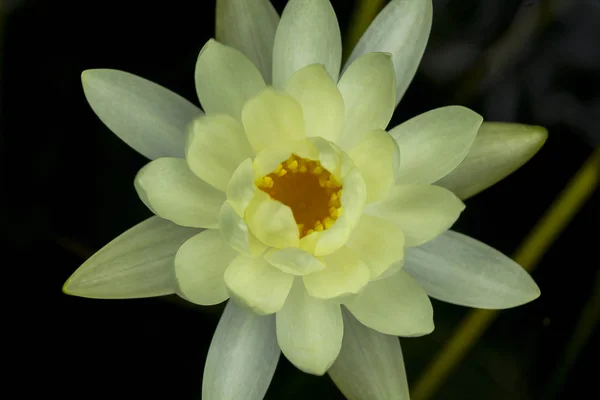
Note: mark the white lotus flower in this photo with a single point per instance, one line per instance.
(328, 232)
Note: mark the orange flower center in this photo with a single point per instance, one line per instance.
(308, 189)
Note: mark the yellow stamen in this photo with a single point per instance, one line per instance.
(319, 226)
(281, 173)
(333, 212)
(292, 165)
(327, 222)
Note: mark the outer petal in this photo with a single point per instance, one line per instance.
(343, 275)
(394, 306)
(308, 33)
(138, 263)
(236, 234)
(309, 331)
(199, 267)
(172, 191)
(271, 117)
(401, 29)
(257, 285)
(225, 79)
(321, 101)
(370, 365)
(461, 270)
(242, 357)
(367, 87)
(499, 149)
(294, 261)
(378, 243)
(434, 143)
(377, 158)
(250, 28)
(216, 145)
(422, 212)
(146, 116)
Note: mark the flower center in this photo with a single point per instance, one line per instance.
(311, 191)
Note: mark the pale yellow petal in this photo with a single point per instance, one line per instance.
(432, 144)
(321, 101)
(172, 191)
(236, 234)
(256, 285)
(241, 188)
(368, 88)
(225, 79)
(394, 306)
(272, 222)
(344, 274)
(376, 156)
(422, 212)
(309, 331)
(379, 244)
(353, 198)
(270, 117)
(215, 147)
(200, 264)
(294, 261)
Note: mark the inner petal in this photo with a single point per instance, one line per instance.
(308, 189)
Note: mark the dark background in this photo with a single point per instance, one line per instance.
(68, 191)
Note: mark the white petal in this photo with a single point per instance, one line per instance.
(225, 79)
(294, 261)
(434, 143)
(236, 234)
(394, 306)
(367, 87)
(272, 222)
(215, 147)
(308, 33)
(257, 285)
(422, 212)
(309, 331)
(378, 243)
(172, 191)
(461, 270)
(344, 274)
(242, 357)
(241, 188)
(377, 158)
(370, 365)
(401, 29)
(271, 117)
(499, 149)
(146, 116)
(250, 28)
(138, 263)
(321, 101)
(199, 267)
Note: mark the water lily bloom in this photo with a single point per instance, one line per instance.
(287, 195)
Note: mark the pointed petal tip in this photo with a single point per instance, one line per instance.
(65, 287)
